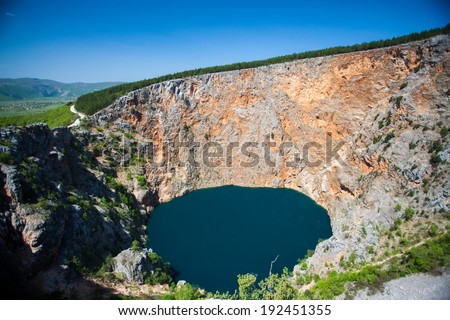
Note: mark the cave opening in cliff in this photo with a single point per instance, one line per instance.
(212, 235)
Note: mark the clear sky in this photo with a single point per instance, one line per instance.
(127, 40)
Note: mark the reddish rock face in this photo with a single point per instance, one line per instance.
(359, 133)
(372, 105)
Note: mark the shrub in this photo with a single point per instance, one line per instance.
(435, 160)
(430, 256)
(6, 143)
(154, 258)
(443, 131)
(436, 147)
(309, 253)
(303, 265)
(6, 158)
(300, 281)
(377, 139)
(43, 203)
(186, 292)
(308, 278)
(404, 85)
(433, 231)
(246, 284)
(159, 277)
(135, 246)
(107, 266)
(398, 100)
(163, 271)
(408, 214)
(398, 207)
(389, 136)
(141, 181)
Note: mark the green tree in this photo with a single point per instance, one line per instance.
(141, 181)
(135, 246)
(277, 287)
(6, 158)
(246, 284)
(408, 214)
(433, 231)
(186, 292)
(303, 265)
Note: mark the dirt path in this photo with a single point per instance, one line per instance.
(399, 254)
(378, 263)
(80, 115)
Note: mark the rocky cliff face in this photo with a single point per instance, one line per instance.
(58, 210)
(363, 134)
(355, 132)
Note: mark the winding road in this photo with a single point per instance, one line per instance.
(81, 116)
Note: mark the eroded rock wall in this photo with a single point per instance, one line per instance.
(381, 111)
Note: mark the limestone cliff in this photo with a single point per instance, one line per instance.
(58, 209)
(373, 115)
(364, 134)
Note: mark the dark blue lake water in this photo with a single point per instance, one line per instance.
(212, 235)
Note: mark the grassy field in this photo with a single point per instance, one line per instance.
(25, 107)
(54, 117)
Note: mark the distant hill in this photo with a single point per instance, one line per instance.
(32, 88)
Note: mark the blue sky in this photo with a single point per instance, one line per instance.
(128, 40)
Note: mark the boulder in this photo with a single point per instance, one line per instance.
(133, 266)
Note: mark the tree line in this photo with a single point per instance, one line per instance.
(95, 101)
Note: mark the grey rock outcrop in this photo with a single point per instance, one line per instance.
(48, 200)
(133, 266)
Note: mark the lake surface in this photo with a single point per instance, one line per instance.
(212, 235)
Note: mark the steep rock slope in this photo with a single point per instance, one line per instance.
(364, 134)
(58, 208)
(368, 122)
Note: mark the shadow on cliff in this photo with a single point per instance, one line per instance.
(41, 228)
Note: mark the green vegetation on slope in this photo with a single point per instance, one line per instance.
(59, 116)
(433, 254)
(430, 256)
(95, 101)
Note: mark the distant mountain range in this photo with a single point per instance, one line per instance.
(32, 88)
